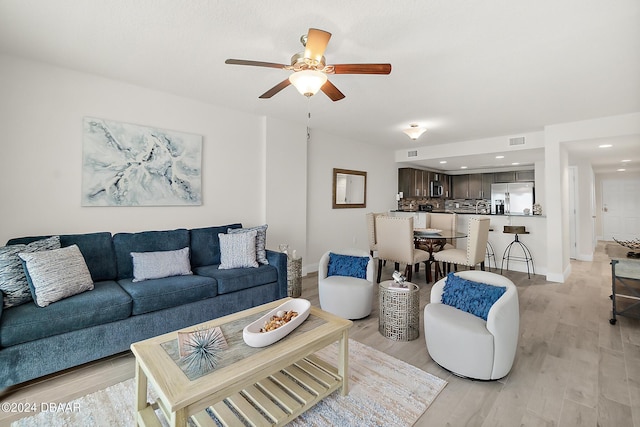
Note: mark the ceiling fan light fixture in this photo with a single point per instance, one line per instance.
(414, 131)
(308, 82)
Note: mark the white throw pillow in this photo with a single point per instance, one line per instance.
(238, 250)
(56, 274)
(156, 265)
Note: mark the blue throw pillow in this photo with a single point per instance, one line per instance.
(347, 265)
(472, 297)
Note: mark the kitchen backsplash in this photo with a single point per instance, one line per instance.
(411, 204)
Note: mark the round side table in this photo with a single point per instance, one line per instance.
(399, 311)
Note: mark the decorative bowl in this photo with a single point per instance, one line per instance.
(254, 338)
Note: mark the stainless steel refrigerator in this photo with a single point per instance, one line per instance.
(516, 196)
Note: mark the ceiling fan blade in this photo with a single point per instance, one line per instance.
(317, 41)
(254, 63)
(332, 91)
(277, 88)
(361, 69)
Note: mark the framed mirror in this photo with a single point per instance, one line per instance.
(349, 189)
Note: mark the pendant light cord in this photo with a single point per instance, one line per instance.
(308, 119)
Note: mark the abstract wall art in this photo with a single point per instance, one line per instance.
(130, 165)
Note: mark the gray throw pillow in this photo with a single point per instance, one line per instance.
(13, 282)
(261, 241)
(56, 274)
(156, 265)
(237, 250)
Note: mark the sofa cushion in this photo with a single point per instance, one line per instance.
(13, 282)
(473, 297)
(239, 278)
(205, 245)
(106, 303)
(96, 248)
(146, 241)
(156, 265)
(238, 250)
(261, 241)
(56, 274)
(156, 294)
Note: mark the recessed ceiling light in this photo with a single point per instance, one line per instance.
(625, 160)
(515, 163)
(621, 170)
(463, 167)
(499, 157)
(605, 146)
(442, 162)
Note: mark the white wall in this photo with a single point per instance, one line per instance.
(265, 173)
(556, 164)
(41, 111)
(585, 181)
(286, 185)
(332, 229)
(533, 140)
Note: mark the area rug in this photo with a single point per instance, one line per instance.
(383, 391)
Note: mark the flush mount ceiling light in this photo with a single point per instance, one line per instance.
(308, 82)
(414, 131)
(605, 146)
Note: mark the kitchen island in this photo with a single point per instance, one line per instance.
(535, 240)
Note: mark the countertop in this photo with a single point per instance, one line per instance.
(473, 213)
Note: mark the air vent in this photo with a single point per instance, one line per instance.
(516, 141)
(413, 153)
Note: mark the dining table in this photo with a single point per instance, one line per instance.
(433, 240)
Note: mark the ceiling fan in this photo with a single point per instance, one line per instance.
(310, 69)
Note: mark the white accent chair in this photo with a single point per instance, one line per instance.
(396, 244)
(467, 345)
(347, 297)
(474, 253)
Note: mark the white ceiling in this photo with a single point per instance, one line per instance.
(465, 70)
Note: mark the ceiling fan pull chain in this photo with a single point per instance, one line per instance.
(308, 119)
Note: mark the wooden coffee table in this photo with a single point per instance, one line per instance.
(248, 380)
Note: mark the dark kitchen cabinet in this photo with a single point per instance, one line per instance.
(487, 180)
(413, 182)
(460, 186)
(525, 176)
(475, 186)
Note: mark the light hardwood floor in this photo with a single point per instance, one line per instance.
(572, 367)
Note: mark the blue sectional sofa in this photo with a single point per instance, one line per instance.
(36, 341)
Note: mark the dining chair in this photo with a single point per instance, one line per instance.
(444, 221)
(474, 253)
(371, 229)
(395, 244)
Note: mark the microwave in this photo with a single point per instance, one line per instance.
(436, 189)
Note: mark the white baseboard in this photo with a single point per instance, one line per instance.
(559, 278)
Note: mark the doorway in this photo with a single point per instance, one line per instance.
(620, 209)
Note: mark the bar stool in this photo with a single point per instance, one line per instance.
(526, 257)
(491, 253)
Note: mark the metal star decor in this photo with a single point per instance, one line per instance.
(201, 350)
